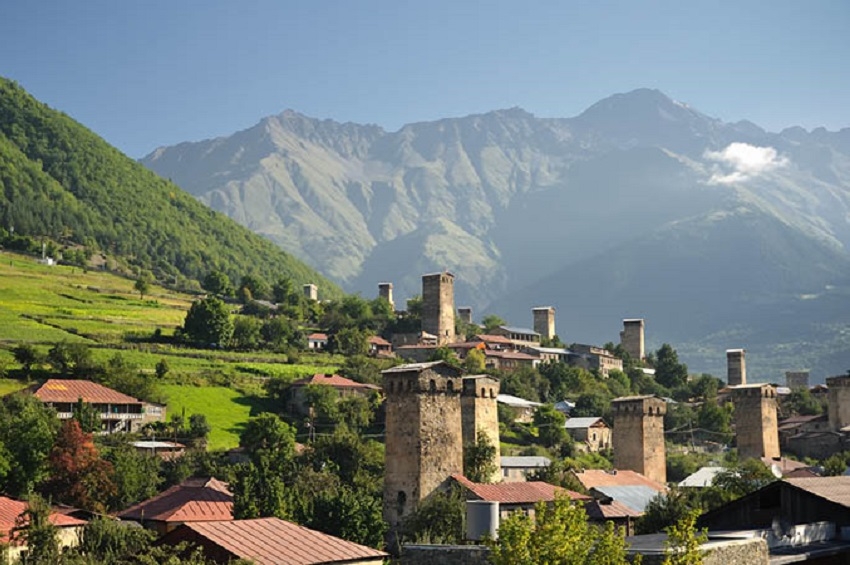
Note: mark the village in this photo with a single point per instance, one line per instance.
(446, 417)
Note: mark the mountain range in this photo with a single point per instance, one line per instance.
(721, 235)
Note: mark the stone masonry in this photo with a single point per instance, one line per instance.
(479, 413)
(756, 429)
(638, 436)
(438, 306)
(385, 291)
(839, 402)
(736, 367)
(424, 443)
(544, 321)
(797, 379)
(632, 338)
(465, 314)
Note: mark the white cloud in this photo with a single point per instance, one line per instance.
(741, 161)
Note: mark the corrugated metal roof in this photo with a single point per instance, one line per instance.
(71, 390)
(516, 401)
(190, 501)
(517, 493)
(593, 478)
(581, 423)
(272, 541)
(703, 477)
(636, 497)
(834, 489)
(604, 510)
(518, 330)
(10, 509)
(524, 461)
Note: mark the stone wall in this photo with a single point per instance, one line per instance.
(756, 428)
(732, 552)
(632, 338)
(444, 555)
(736, 367)
(544, 321)
(638, 436)
(839, 402)
(479, 413)
(438, 306)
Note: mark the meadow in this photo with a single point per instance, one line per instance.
(43, 305)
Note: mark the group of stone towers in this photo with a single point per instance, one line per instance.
(432, 412)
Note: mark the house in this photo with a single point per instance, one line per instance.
(495, 342)
(506, 360)
(317, 341)
(519, 337)
(516, 468)
(118, 412)
(166, 450)
(271, 541)
(548, 354)
(594, 358)
(193, 500)
(802, 519)
(606, 509)
(345, 387)
(565, 406)
(379, 347)
(68, 528)
(703, 477)
(626, 487)
(592, 432)
(516, 495)
(523, 409)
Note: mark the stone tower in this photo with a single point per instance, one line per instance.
(438, 306)
(632, 338)
(424, 443)
(736, 367)
(385, 291)
(797, 379)
(465, 314)
(638, 436)
(756, 429)
(839, 401)
(311, 291)
(479, 413)
(544, 321)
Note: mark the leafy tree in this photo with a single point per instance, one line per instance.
(801, 401)
(34, 529)
(683, 542)
(438, 519)
(559, 533)
(356, 412)
(716, 420)
(246, 333)
(550, 425)
(280, 332)
(663, 511)
(28, 356)
(479, 459)
(561, 473)
(668, 371)
(592, 404)
(78, 476)
(491, 322)
(108, 541)
(475, 361)
(142, 286)
(162, 368)
(258, 491)
(282, 290)
(72, 359)
(199, 427)
(742, 479)
(27, 430)
(351, 341)
(208, 322)
(257, 287)
(268, 437)
(86, 416)
(217, 283)
(835, 465)
(354, 460)
(322, 401)
(135, 475)
(352, 514)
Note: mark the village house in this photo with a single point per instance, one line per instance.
(523, 409)
(193, 500)
(626, 487)
(592, 432)
(271, 541)
(165, 450)
(317, 341)
(549, 354)
(379, 347)
(118, 412)
(508, 360)
(516, 468)
(68, 529)
(297, 403)
(519, 337)
(515, 495)
(594, 358)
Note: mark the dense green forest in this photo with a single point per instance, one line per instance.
(61, 182)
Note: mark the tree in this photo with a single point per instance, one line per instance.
(668, 371)
(142, 286)
(246, 333)
(27, 430)
(683, 541)
(352, 341)
(162, 368)
(34, 529)
(479, 459)
(258, 491)
(475, 361)
(550, 425)
(27, 356)
(86, 416)
(592, 404)
(135, 475)
(437, 519)
(217, 283)
(353, 514)
(267, 436)
(72, 359)
(208, 323)
(559, 534)
(742, 479)
(491, 322)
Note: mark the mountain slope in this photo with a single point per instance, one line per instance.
(527, 210)
(60, 180)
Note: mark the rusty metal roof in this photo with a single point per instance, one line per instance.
(834, 489)
(517, 493)
(70, 391)
(192, 500)
(10, 509)
(335, 381)
(593, 478)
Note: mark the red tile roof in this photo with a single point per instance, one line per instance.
(334, 381)
(517, 493)
(593, 478)
(317, 336)
(194, 500)
(272, 541)
(10, 509)
(378, 340)
(70, 391)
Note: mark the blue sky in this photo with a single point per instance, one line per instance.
(145, 74)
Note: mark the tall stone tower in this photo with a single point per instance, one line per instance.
(465, 314)
(311, 291)
(544, 321)
(736, 367)
(424, 444)
(632, 338)
(385, 291)
(479, 413)
(638, 436)
(839, 402)
(756, 429)
(438, 306)
(797, 379)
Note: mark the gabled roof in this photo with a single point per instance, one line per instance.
(516, 401)
(335, 381)
(593, 478)
(70, 391)
(518, 330)
(833, 489)
(703, 477)
(418, 367)
(610, 508)
(378, 340)
(523, 461)
(10, 509)
(272, 541)
(583, 422)
(318, 336)
(517, 493)
(636, 497)
(490, 338)
(193, 500)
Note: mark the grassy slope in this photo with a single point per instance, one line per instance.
(45, 305)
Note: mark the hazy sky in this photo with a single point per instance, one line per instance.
(158, 72)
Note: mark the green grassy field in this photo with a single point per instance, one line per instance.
(44, 305)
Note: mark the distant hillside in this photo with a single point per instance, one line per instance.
(59, 180)
(721, 234)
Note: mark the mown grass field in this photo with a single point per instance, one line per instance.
(44, 305)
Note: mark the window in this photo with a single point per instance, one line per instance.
(432, 385)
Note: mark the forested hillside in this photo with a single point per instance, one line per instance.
(60, 181)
